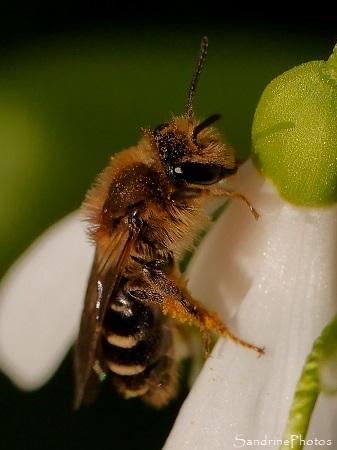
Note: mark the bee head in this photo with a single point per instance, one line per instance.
(191, 152)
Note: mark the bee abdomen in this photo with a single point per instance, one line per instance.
(137, 346)
(157, 384)
(133, 360)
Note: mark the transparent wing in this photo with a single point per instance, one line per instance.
(108, 267)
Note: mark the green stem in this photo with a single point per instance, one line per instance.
(308, 389)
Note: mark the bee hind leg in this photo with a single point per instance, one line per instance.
(179, 303)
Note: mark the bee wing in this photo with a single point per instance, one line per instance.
(106, 273)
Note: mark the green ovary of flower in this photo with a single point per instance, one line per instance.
(295, 133)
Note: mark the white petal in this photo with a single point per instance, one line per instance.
(41, 299)
(281, 272)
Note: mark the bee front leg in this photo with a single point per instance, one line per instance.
(220, 192)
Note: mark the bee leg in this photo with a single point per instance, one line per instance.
(179, 303)
(233, 194)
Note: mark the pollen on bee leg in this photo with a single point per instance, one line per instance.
(176, 310)
(211, 321)
(186, 309)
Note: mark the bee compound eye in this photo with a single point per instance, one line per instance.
(198, 173)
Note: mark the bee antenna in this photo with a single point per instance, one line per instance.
(206, 123)
(195, 79)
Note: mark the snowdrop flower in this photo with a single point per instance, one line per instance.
(41, 300)
(280, 276)
(272, 281)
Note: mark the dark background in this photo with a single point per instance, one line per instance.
(77, 83)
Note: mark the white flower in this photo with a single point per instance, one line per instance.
(272, 281)
(279, 276)
(41, 299)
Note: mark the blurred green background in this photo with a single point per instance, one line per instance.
(77, 85)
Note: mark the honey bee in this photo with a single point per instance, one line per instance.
(144, 212)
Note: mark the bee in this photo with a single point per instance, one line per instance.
(144, 211)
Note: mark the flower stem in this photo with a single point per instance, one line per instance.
(308, 389)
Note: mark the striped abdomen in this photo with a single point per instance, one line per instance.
(137, 346)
